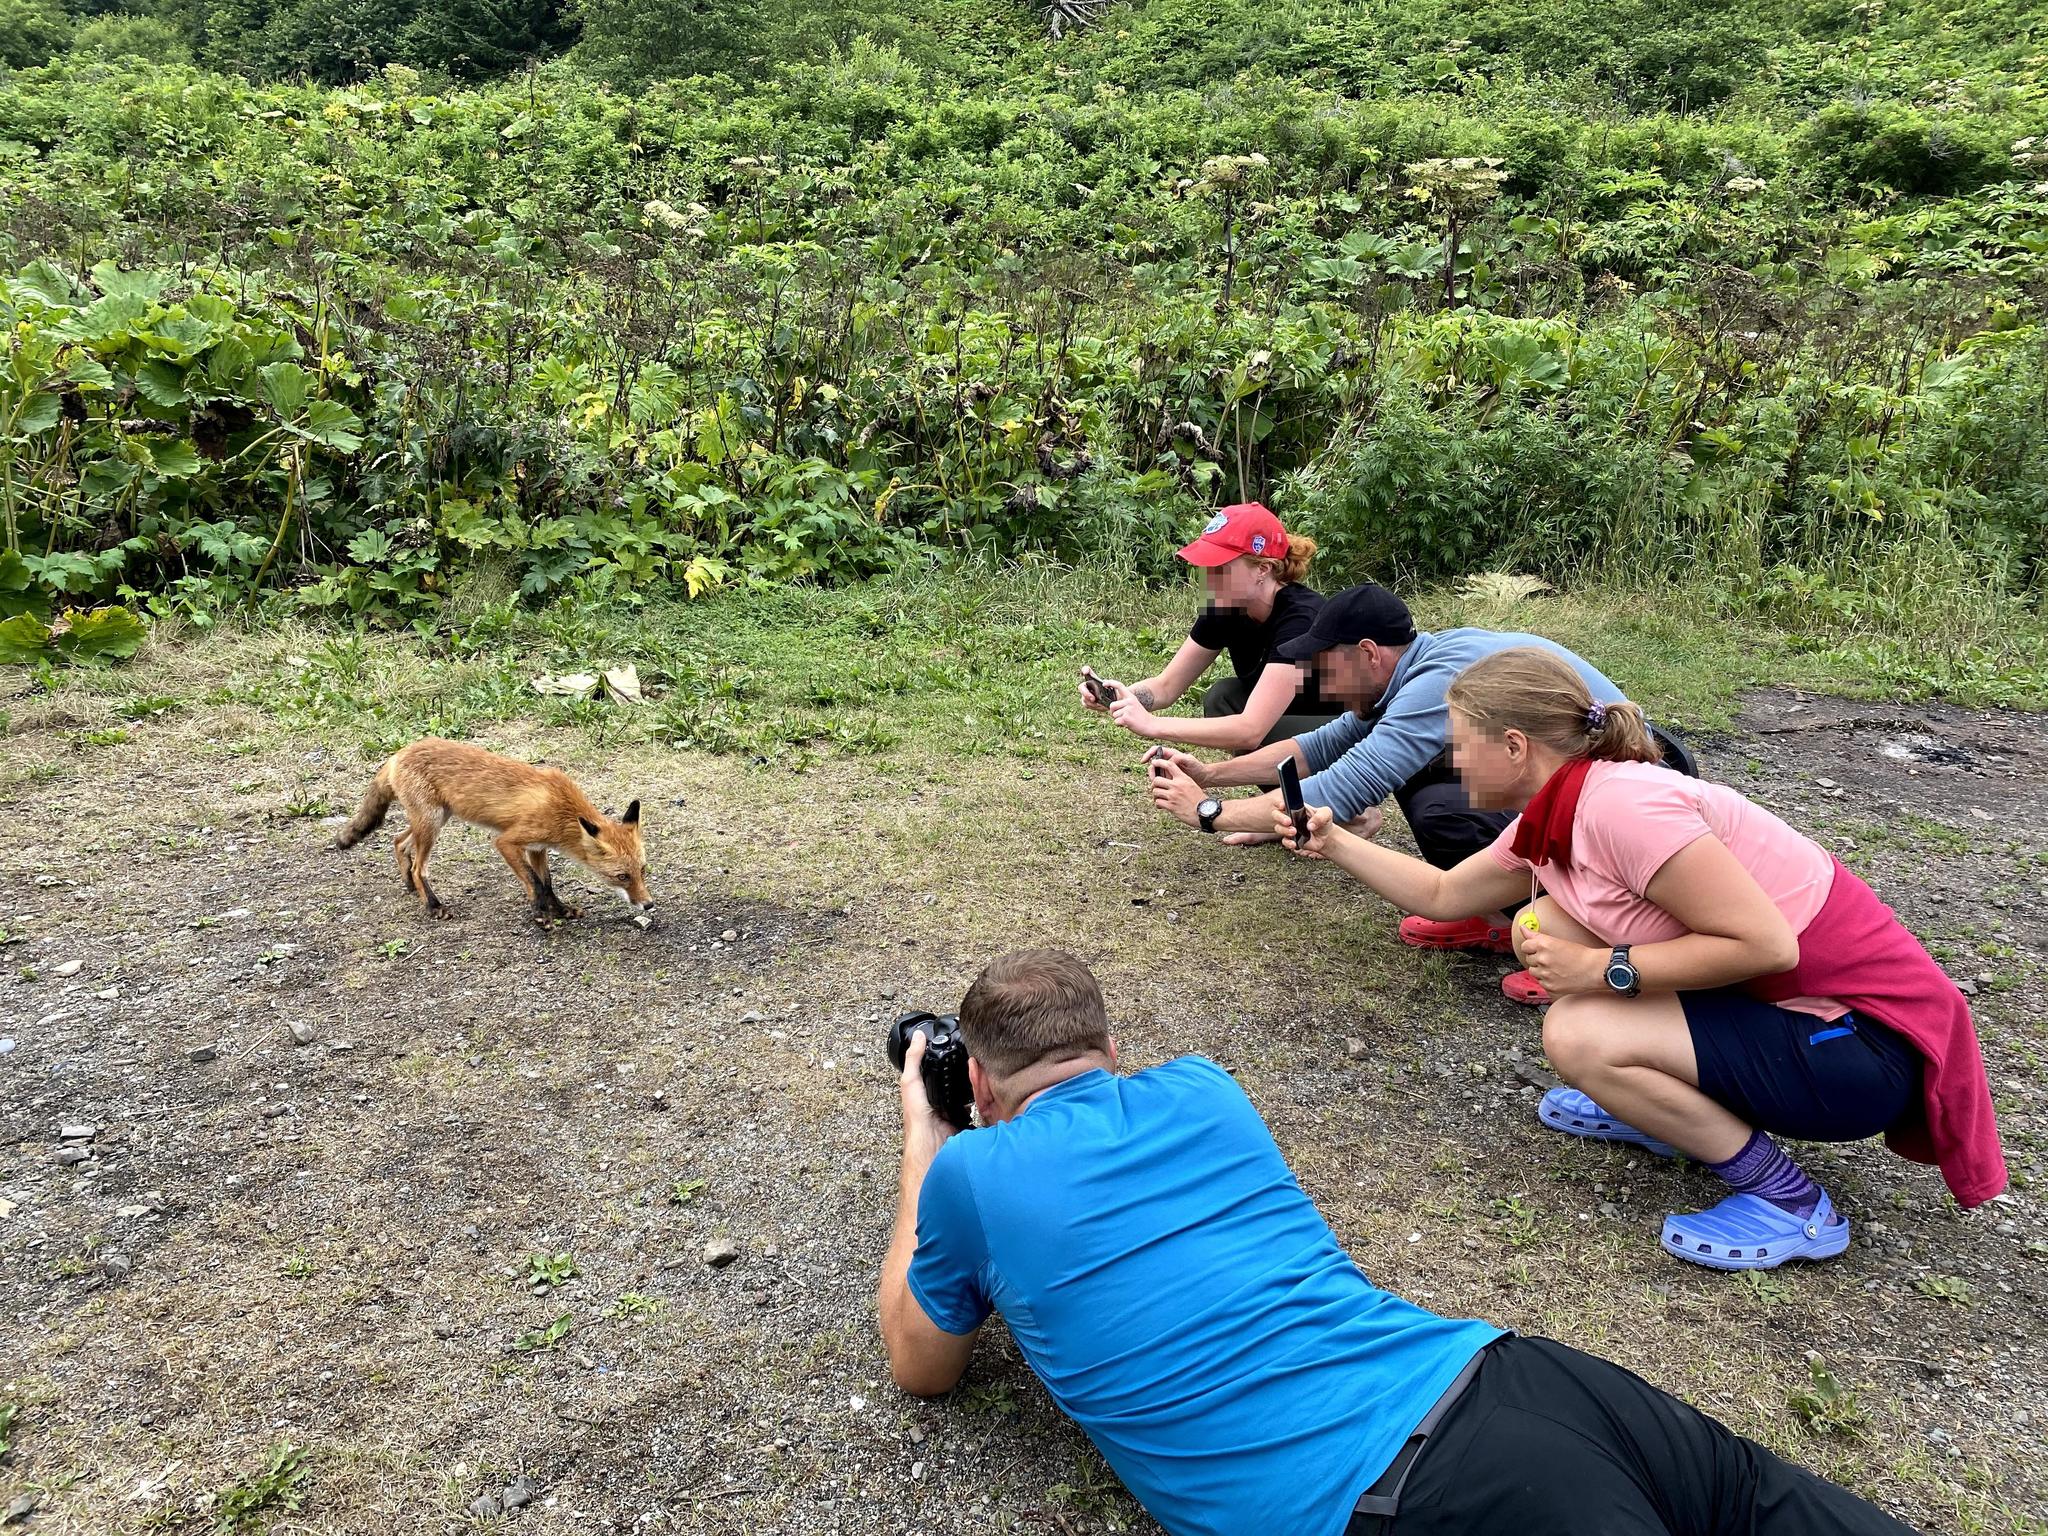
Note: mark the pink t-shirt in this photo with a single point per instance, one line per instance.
(1633, 817)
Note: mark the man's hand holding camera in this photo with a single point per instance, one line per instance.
(924, 1129)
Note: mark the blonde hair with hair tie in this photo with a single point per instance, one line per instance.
(1542, 696)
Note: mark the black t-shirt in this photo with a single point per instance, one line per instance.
(1250, 643)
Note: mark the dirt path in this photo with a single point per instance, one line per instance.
(328, 1243)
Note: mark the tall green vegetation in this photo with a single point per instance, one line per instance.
(1751, 296)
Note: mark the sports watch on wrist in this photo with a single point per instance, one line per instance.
(1621, 974)
(1207, 812)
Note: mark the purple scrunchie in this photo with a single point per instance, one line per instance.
(1596, 717)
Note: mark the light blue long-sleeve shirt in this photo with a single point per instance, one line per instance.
(1356, 761)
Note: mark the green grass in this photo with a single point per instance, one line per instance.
(915, 671)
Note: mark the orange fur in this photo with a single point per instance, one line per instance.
(532, 810)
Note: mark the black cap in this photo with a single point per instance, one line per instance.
(1364, 612)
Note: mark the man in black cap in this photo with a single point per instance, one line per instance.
(1393, 740)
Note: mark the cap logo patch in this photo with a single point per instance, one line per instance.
(1258, 543)
(1217, 523)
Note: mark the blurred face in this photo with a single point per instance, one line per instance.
(1355, 675)
(1493, 765)
(1233, 586)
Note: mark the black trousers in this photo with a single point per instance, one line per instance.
(1447, 829)
(1230, 695)
(1551, 1442)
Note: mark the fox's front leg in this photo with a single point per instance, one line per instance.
(537, 861)
(513, 852)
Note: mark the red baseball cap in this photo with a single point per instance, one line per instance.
(1245, 529)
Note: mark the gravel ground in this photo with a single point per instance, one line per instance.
(281, 1162)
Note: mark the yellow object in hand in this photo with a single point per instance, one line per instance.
(1528, 921)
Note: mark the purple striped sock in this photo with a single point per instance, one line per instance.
(1762, 1169)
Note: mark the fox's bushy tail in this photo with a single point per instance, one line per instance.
(375, 807)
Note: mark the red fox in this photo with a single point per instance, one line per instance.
(533, 811)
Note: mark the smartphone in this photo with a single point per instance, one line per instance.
(1290, 791)
(1155, 760)
(1098, 690)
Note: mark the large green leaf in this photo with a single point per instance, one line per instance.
(38, 414)
(1523, 358)
(40, 280)
(103, 635)
(225, 543)
(19, 593)
(104, 478)
(23, 639)
(112, 281)
(161, 384)
(182, 336)
(89, 374)
(286, 386)
(228, 364)
(172, 457)
(333, 425)
(370, 547)
(213, 309)
(107, 322)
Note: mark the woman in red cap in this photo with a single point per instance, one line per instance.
(1253, 569)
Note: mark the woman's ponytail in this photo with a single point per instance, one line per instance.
(1618, 733)
(1293, 566)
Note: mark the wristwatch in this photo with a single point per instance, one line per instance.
(1621, 973)
(1207, 812)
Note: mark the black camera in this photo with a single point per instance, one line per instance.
(944, 1068)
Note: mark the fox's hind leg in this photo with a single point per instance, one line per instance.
(537, 861)
(401, 854)
(423, 822)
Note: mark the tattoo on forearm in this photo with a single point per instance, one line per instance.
(1145, 696)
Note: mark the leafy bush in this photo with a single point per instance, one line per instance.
(1547, 285)
(31, 31)
(138, 37)
(1865, 148)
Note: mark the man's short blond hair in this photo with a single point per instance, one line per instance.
(1031, 1006)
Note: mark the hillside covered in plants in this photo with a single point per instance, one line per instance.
(405, 311)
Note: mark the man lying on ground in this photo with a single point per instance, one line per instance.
(1719, 977)
(1182, 1300)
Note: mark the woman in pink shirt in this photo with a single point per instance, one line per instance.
(1717, 976)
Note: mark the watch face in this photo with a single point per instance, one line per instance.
(1209, 808)
(1621, 975)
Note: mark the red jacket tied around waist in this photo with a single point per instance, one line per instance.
(1858, 952)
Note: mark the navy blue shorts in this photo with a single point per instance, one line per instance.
(1792, 1074)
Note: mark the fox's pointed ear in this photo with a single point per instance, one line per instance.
(632, 816)
(589, 826)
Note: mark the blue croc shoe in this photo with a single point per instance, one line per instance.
(1748, 1232)
(1570, 1111)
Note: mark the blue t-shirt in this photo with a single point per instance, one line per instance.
(1182, 1300)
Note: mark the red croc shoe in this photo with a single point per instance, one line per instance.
(1465, 933)
(1521, 987)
